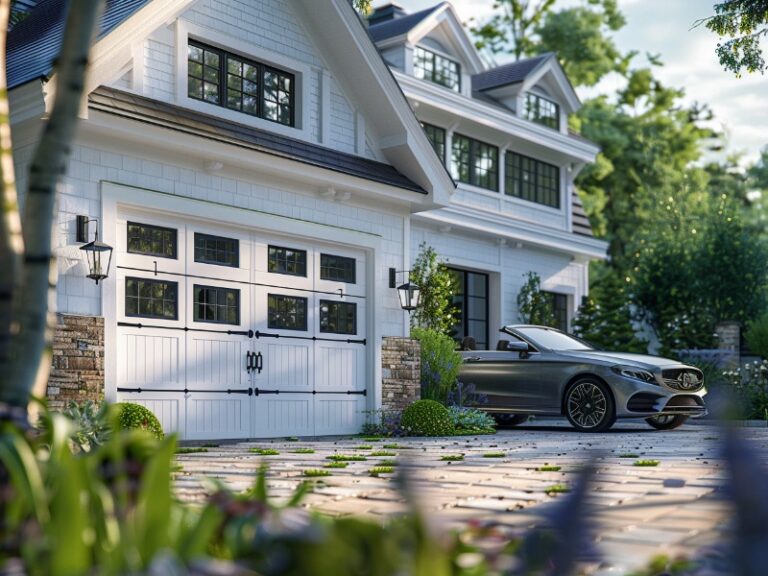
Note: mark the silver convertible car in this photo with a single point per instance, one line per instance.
(543, 371)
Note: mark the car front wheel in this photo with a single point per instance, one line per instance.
(667, 422)
(589, 406)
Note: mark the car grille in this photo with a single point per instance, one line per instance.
(685, 379)
(685, 405)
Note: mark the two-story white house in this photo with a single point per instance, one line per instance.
(260, 173)
(503, 134)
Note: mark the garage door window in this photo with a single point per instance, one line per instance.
(287, 312)
(151, 298)
(337, 268)
(217, 250)
(287, 261)
(151, 240)
(338, 317)
(217, 305)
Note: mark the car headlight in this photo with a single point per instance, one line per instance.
(635, 373)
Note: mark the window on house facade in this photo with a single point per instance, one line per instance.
(338, 317)
(216, 304)
(471, 301)
(436, 68)
(542, 111)
(287, 312)
(474, 162)
(145, 298)
(223, 79)
(559, 304)
(532, 180)
(217, 250)
(287, 261)
(337, 268)
(151, 240)
(436, 137)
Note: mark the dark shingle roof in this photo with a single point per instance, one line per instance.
(580, 221)
(34, 43)
(399, 26)
(508, 73)
(142, 109)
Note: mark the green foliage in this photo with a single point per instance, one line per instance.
(362, 6)
(745, 23)
(91, 424)
(471, 420)
(605, 316)
(382, 453)
(697, 265)
(556, 489)
(548, 469)
(756, 336)
(440, 364)
(627, 455)
(437, 311)
(646, 463)
(748, 386)
(378, 470)
(510, 28)
(264, 451)
(452, 458)
(346, 458)
(533, 305)
(495, 455)
(303, 451)
(336, 465)
(195, 450)
(427, 418)
(136, 417)
(315, 473)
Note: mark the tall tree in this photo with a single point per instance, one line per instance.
(745, 24)
(29, 281)
(510, 29)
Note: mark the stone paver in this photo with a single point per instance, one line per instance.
(673, 508)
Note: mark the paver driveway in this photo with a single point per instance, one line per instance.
(642, 511)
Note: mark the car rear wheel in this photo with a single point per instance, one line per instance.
(589, 406)
(510, 419)
(667, 421)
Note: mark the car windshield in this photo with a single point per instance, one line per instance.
(553, 339)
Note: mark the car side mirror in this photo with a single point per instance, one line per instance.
(517, 346)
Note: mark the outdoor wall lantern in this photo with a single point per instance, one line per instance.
(96, 252)
(409, 294)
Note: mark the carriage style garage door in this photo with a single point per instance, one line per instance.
(227, 333)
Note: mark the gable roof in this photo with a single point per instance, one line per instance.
(401, 25)
(35, 42)
(170, 116)
(511, 73)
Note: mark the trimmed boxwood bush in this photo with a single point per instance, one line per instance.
(137, 417)
(427, 418)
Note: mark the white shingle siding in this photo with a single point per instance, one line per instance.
(159, 71)
(342, 121)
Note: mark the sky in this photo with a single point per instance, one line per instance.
(664, 27)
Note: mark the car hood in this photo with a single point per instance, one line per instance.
(613, 358)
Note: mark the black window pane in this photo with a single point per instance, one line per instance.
(287, 261)
(216, 304)
(338, 317)
(151, 298)
(474, 162)
(337, 268)
(287, 312)
(436, 137)
(532, 180)
(559, 305)
(218, 250)
(542, 111)
(436, 68)
(471, 302)
(151, 240)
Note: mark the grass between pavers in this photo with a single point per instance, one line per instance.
(193, 450)
(495, 455)
(387, 463)
(452, 458)
(373, 438)
(474, 432)
(628, 455)
(346, 458)
(556, 489)
(315, 473)
(548, 469)
(383, 453)
(377, 470)
(292, 439)
(264, 451)
(303, 451)
(363, 447)
(336, 465)
(646, 463)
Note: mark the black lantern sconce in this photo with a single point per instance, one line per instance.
(409, 293)
(96, 252)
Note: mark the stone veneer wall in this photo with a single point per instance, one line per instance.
(77, 372)
(400, 371)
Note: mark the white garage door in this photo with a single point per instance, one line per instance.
(236, 334)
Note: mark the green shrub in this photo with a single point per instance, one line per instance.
(471, 420)
(440, 363)
(92, 423)
(137, 417)
(427, 418)
(757, 336)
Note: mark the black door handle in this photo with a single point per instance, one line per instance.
(259, 362)
(248, 366)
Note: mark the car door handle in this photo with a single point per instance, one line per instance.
(473, 359)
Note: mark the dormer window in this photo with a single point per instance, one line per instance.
(428, 65)
(542, 111)
(237, 83)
